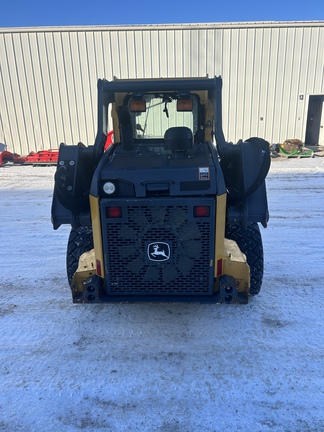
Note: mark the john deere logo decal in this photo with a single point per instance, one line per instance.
(158, 251)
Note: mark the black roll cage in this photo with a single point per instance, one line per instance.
(108, 89)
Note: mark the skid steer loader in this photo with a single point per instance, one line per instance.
(170, 210)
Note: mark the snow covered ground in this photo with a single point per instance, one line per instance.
(162, 367)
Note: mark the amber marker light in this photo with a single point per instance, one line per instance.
(137, 105)
(184, 105)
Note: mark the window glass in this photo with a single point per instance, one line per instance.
(160, 116)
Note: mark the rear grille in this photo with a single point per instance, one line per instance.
(158, 249)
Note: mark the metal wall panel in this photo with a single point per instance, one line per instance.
(48, 76)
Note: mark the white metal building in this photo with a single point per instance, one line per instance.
(273, 76)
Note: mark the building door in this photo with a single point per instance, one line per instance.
(315, 121)
(321, 133)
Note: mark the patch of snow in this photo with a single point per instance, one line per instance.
(162, 367)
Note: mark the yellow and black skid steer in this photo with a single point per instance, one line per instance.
(169, 211)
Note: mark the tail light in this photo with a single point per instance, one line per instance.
(201, 211)
(114, 212)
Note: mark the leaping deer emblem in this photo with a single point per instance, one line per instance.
(157, 252)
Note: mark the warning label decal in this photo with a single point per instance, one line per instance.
(204, 173)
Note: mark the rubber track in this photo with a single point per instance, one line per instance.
(80, 241)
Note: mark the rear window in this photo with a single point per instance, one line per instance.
(161, 114)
